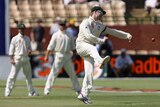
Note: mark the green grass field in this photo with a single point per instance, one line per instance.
(64, 96)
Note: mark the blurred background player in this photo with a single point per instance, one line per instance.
(106, 49)
(71, 28)
(150, 4)
(62, 44)
(89, 31)
(55, 26)
(123, 64)
(37, 35)
(19, 50)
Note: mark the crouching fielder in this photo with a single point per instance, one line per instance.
(19, 49)
(62, 44)
(89, 31)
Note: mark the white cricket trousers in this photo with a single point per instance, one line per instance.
(62, 60)
(25, 65)
(90, 55)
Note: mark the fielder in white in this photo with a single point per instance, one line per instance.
(19, 50)
(62, 44)
(89, 31)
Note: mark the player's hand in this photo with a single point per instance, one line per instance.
(43, 40)
(29, 52)
(12, 61)
(46, 58)
(105, 38)
(129, 36)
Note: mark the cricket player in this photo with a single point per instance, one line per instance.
(62, 43)
(19, 50)
(89, 31)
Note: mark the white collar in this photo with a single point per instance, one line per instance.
(62, 31)
(91, 18)
(20, 35)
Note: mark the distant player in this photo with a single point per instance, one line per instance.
(19, 50)
(89, 31)
(63, 44)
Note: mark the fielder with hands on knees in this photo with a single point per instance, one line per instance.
(89, 31)
(19, 50)
(62, 43)
(123, 64)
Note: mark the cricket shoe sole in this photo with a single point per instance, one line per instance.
(84, 99)
(33, 94)
(105, 60)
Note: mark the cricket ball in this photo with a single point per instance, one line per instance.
(153, 39)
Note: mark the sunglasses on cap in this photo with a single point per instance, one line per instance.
(100, 12)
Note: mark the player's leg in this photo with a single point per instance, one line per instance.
(88, 79)
(93, 52)
(89, 50)
(57, 65)
(28, 74)
(12, 78)
(69, 67)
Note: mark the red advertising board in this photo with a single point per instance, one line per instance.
(144, 65)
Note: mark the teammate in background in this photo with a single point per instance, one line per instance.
(37, 35)
(150, 5)
(62, 44)
(106, 49)
(55, 26)
(71, 28)
(19, 50)
(89, 31)
(123, 65)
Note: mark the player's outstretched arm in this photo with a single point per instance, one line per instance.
(118, 33)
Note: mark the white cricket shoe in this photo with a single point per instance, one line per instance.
(7, 93)
(84, 99)
(46, 92)
(105, 60)
(33, 94)
(78, 92)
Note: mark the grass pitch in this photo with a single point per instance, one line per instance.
(62, 95)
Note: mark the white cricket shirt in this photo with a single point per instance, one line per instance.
(89, 31)
(62, 42)
(19, 46)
